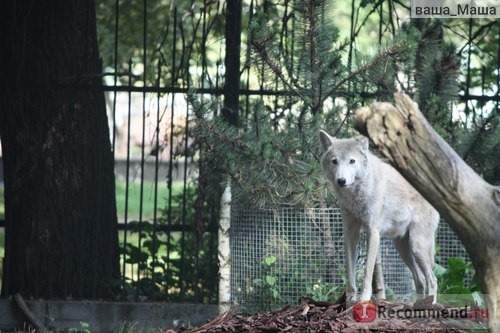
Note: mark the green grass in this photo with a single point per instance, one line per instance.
(133, 202)
(134, 199)
(148, 201)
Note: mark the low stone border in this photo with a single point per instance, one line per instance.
(105, 316)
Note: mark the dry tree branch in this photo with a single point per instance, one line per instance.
(30, 316)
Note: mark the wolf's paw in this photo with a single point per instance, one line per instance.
(379, 294)
(365, 297)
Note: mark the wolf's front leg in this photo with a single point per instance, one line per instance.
(371, 258)
(351, 238)
(378, 279)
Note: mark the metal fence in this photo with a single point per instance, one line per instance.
(154, 54)
(193, 51)
(280, 254)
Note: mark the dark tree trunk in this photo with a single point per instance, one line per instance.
(60, 211)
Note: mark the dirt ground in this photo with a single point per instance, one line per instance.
(314, 316)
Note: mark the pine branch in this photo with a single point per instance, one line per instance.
(220, 136)
(381, 58)
(262, 49)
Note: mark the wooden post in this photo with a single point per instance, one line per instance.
(469, 205)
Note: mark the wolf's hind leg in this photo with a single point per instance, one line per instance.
(402, 245)
(421, 249)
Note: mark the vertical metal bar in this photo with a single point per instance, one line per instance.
(247, 65)
(157, 152)
(171, 152)
(115, 81)
(115, 74)
(351, 42)
(292, 49)
(497, 103)
(183, 217)
(143, 139)
(198, 236)
(184, 204)
(169, 186)
(127, 170)
(483, 89)
(203, 45)
(469, 73)
(380, 23)
(276, 87)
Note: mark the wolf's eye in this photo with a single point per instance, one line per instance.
(334, 160)
(352, 161)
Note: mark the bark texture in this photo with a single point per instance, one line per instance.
(60, 211)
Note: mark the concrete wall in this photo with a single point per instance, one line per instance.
(106, 316)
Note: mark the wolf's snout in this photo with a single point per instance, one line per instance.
(341, 181)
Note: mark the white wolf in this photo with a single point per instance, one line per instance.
(373, 195)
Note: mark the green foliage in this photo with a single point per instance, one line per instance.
(377, 76)
(474, 133)
(84, 328)
(453, 281)
(480, 66)
(324, 291)
(277, 278)
(267, 164)
(480, 141)
(436, 71)
(275, 266)
(268, 288)
(304, 54)
(171, 29)
(299, 45)
(173, 266)
(272, 156)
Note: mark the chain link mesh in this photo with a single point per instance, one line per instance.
(280, 254)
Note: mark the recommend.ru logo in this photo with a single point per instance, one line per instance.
(451, 312)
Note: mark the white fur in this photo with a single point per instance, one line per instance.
(373, 195)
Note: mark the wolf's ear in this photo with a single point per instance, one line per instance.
(363, 140)
(326, 140)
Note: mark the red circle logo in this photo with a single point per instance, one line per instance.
(365, 311)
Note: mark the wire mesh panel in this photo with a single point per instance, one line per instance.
(448, 245)
(280, 254)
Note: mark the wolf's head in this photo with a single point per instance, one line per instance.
(343, 161)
